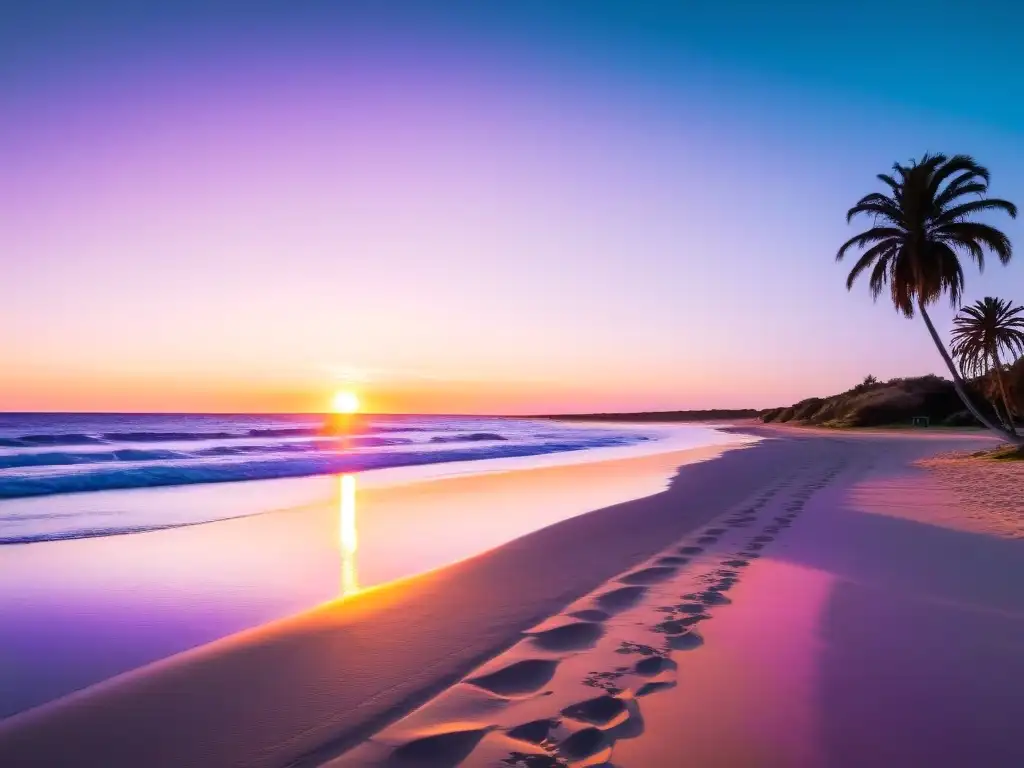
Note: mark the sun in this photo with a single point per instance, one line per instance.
(345, 401)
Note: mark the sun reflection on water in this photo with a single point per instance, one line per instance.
(347, 534)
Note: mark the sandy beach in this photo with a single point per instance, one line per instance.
(814, 599)
(511, 385)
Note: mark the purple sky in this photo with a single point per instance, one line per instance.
(469, 218)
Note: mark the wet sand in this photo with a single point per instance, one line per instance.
(77, 612)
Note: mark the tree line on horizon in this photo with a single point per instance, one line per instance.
(923, 226)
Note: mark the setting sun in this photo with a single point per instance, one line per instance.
(345, 401)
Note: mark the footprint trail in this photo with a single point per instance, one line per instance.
(576, 684)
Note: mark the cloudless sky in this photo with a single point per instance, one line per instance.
(472, 206)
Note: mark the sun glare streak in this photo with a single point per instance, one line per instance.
(347, 534)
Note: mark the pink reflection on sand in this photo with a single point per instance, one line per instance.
(756, 676)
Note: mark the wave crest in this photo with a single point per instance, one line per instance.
(108, 476)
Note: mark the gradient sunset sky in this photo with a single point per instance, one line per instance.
(472, 206)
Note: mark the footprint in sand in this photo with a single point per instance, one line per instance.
(601, 710)
(685, 642)
(440, 750)
(534, 732)
(591, 614)
(693, 619)
(518, 679)
(653, 665)
(606, 681)
(672, 560)
(532, 760)
(652, 575)
(584, 743)
(713, 597)
(629, 647)
(618, 600)
(570, 637)
(679, 626)
(653, 687)
(693, 608)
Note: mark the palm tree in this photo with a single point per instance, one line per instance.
(980, 332)
(921, 229)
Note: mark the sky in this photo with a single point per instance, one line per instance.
(473, 207)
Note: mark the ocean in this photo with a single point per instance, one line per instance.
(82, 454)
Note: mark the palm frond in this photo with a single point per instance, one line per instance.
(953, 165)
(891, 182)
(955, 190)
(949, 276)
(975, 206)
(879, 275)
(884, 208)
(904, 280)
(983, 235)
(870, 236)
(882, 251)
(976, 252)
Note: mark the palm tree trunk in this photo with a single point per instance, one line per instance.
(1002, 392)
(958, 383)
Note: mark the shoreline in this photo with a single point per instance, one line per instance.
(306, 690)
(134, 501)
(297, 552)
(359, 652)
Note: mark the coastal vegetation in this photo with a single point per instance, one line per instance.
(930, 400)
(876, 404)
(981, 332)
(922, 227)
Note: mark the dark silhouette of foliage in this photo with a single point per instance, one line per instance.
(981, 332)
(893, 403)
(921, 229)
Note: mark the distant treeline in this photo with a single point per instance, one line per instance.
(895, 402)
(709, 415)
